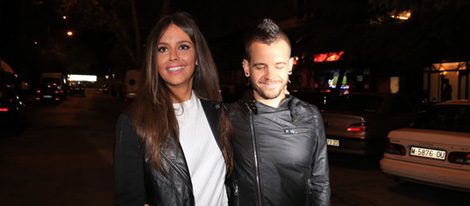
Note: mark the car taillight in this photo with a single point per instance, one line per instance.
(357, 127)
(459, 158)
(393, 148)
(3, 109)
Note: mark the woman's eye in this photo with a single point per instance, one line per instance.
(184, 47)
(162, 49)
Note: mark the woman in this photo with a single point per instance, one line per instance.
(172, 145)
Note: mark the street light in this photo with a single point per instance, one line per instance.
(69, 33)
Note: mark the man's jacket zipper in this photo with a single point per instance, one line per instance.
(255, 155)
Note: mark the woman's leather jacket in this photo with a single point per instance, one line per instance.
(137, 183)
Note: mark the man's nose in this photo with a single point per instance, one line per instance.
(269, 72)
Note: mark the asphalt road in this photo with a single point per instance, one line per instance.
(359, 181)
(64, 156)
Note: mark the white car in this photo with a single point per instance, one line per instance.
(435, 150)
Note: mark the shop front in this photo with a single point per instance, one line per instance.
(446, 81)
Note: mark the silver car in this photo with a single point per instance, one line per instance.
(358, 123)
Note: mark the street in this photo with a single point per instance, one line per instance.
(64, 157)
(358, 181)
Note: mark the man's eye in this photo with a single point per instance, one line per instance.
(259, 67)
(280, 66)
(162, 49)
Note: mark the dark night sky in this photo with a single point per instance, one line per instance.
(334, 24)
(29, 21)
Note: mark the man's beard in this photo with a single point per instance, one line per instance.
(268, 94)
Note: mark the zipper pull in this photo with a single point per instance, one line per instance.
(236, 188)
(251, 105)
(290, 131)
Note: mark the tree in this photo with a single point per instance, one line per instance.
(104, 16)
(123, 21)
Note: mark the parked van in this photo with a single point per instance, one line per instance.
(54, 79)
(132, 84)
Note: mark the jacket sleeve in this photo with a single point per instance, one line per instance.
(319, 183)
(128, 165)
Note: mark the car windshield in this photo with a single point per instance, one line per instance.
(51, 81)
(356, 103)
(446, 117)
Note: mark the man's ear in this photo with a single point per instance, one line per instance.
(246, 67)
(291, 65)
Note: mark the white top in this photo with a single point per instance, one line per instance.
(203, 156)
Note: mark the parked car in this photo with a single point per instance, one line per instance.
(317, 98)
(435, 150)
(132, 84)
(358, 123)
(76, 89)
(49, 93)
(104, 88)
(12, 109)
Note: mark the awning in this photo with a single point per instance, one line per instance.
(5, 67)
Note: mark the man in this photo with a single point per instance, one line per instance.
(446, 90)
(279, 144)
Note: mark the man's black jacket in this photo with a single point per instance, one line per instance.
(280, 154)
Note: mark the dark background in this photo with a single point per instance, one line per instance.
(109, 35)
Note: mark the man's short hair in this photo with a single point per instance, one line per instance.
(265, 32)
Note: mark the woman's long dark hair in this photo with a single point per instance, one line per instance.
(153, 115)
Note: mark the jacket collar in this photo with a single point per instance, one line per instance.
(248, 101)
(211, 109)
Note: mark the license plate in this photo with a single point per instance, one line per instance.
(47, 96)
(332, 142)
(428, 153)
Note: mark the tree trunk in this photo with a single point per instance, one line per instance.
(135, 21)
